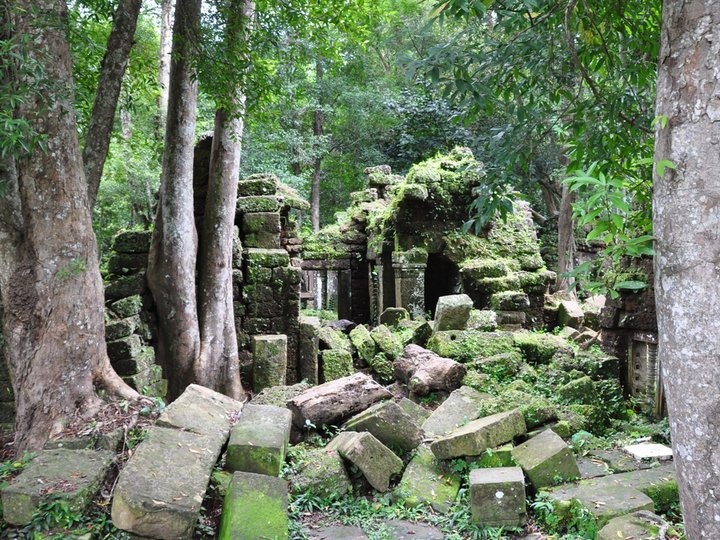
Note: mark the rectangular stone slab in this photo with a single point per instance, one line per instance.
(497, 496)
(426, 481)
(161, 488)
(376, 461)
(75, 475)
(390, 424)
(255, 507)
(259, 440)
(479, 435)
(546, 459)
(462, 406)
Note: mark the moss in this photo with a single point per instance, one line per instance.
(486, 268)
(493, 458)
(331, 338)
(336, 364)
(386, 341)
(510, 301)
(478, 381)
(580, 391)
(382, 367)
(536, 410)
(500, 366)
(485, 320)
(664, 494)
(363, 342)
(326, 244)
(494, 285)
(592, 417)
(467, 345)
(540, 348)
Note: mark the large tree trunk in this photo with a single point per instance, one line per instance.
(318, 130)
(687, 228)
(566, 240)
(166, 16)
(173, 252)
(114, 63)
(49, 276)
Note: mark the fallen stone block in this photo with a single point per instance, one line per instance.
(279, 395)
(335, 364)
(269, 361)
(427, 481)
(468, 345)
(259, 439)
(335, 339)
(335, 401)
(393, 316)
(321, 473)
(73, 475)
(363, 342)
(493, 458)
(547, 460)
(638, 525)
(649, 451)
(390, 425)
(375, 460)
(309, 348)
(386, 341)
(497, 497)
(338, 532)
(570, 314)
(462, 406)
(452, 312)
(423, 371)
(479, 435)
(160, 490)
(255, 507)
(417, 412)
(658, 483)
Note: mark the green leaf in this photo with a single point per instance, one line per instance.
(631, 285)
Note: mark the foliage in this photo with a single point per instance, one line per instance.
(574, 519)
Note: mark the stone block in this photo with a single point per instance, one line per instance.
(580, 391)
(468, 345)
(484, 320)
(138, 363)
(279, 395)
(268, 258)
(546, 460)
(641, 524)
(258, 184)
(338, 532)
(335, 364)
(363, 342)
(390, 425)
(309, 348)
(144, 380)
(452, 312)
(124, 348)
(427, 481)
(322, 473)
(417, 412)
(258, 203)
(570, 314)
(121, 264)
(376, 461)
(392, 316)
(510, 301)
(500, 456)
(497, 497)
(132, 242)
(331, 338)
(73, 475)
(462, 406)
(386, 341)
(259, 439)
(121, 328)
(255, 506)
(125, 286)
(261, 230)
(479, 435)
(511, 318)
(269, 361)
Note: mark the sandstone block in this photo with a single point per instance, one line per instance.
(255, 507)
(452, 312)
(497, 497)
(259, 439)
(375, 460)
(427, 481)
(462, 406)
(390, 425)
(269, 361)
(546, 459)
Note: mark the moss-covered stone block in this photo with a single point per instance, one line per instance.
(75, 476)
(335, 364)
(500, 366)
(124, 348)
(540, 348)
(387, 341)
(417, 412)
(261, 230)
(330, 338)
(546, 460)
(493, 457)
(258, 184)
(279, 395)
(256, 506)
(363, 342)
(390, 424)
(452, 312)
(268, 258)
(321, 473)
(486, 268)
(570, 314)
(462, 406)
(132, 242)
(393, 316)
(477, 436)
(137, 363)
(427, 481)
(259, 439)
(580, 391)
(269, 361)
(484, 320)
(124, 286)
(536, 410)
(121, 328)
(258, 203)
(468, 345)
(510, 301)
(121, 264)
(375, 460)
(641, 524)
(497, 497)
(382, 367)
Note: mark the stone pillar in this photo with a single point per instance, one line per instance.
(332, 291)
(308, 349)
(344, 295)
(269, 361)
(409, 267)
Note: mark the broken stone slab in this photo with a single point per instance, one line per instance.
(423, 371)
(642, 524)
(309, 348)
(497, 497)
(160, 490)
(363, 342)
(279, 395)
(255, 506)
(375, 460)
(393, 316)
(452, 312)
(408, 530)
(586, 337)
(417, 412)
(335, 401)
(479, 435)
(338, 532)
(570, 314)
(259, 439)
(335, 364)
(322, 473)
(592, 468)
(73, 475)
(201, 410)
(649, 451)
(547, 460)
(390, 424)
(568, 332)
(269, 361)
(604, 502)
(462, 406)
(658, 483)
(427, 481)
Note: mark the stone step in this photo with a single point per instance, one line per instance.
(547, 460)
(390, 424)
(642, 524)
(259, 440)
(255, 507)
(376, 461)
(462, 406)
(497, 497)
(426, 481)
(74, 475)
(479, 435)
(337, 532)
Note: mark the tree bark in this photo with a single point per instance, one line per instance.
(687, 229)
(166, 17)
(114, 63)
(55, 341)
(173, 251)
(318, 129)
(566, 240)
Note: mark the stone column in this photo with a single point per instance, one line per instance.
(409, 269)
(344, 295)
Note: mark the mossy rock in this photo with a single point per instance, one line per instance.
(387, 341)
(467, 345)
(580, 391)
(478, 381)
(336, 364)
(594, 418)
(510, 301)
(320, 472)
(382, 367)
(536, 410)
(500, 366)
(540, 348)
(331, 338)
(486, 268)
(484, 320)
(363, 342)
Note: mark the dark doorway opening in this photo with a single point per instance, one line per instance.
(442, 277)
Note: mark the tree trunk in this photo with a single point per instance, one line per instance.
(166, 17)
(566, 240)
(687, 230)
(173, 251)
(50, 281)
(318, 128)
(114, 63)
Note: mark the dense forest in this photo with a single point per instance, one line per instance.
(354, 212)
